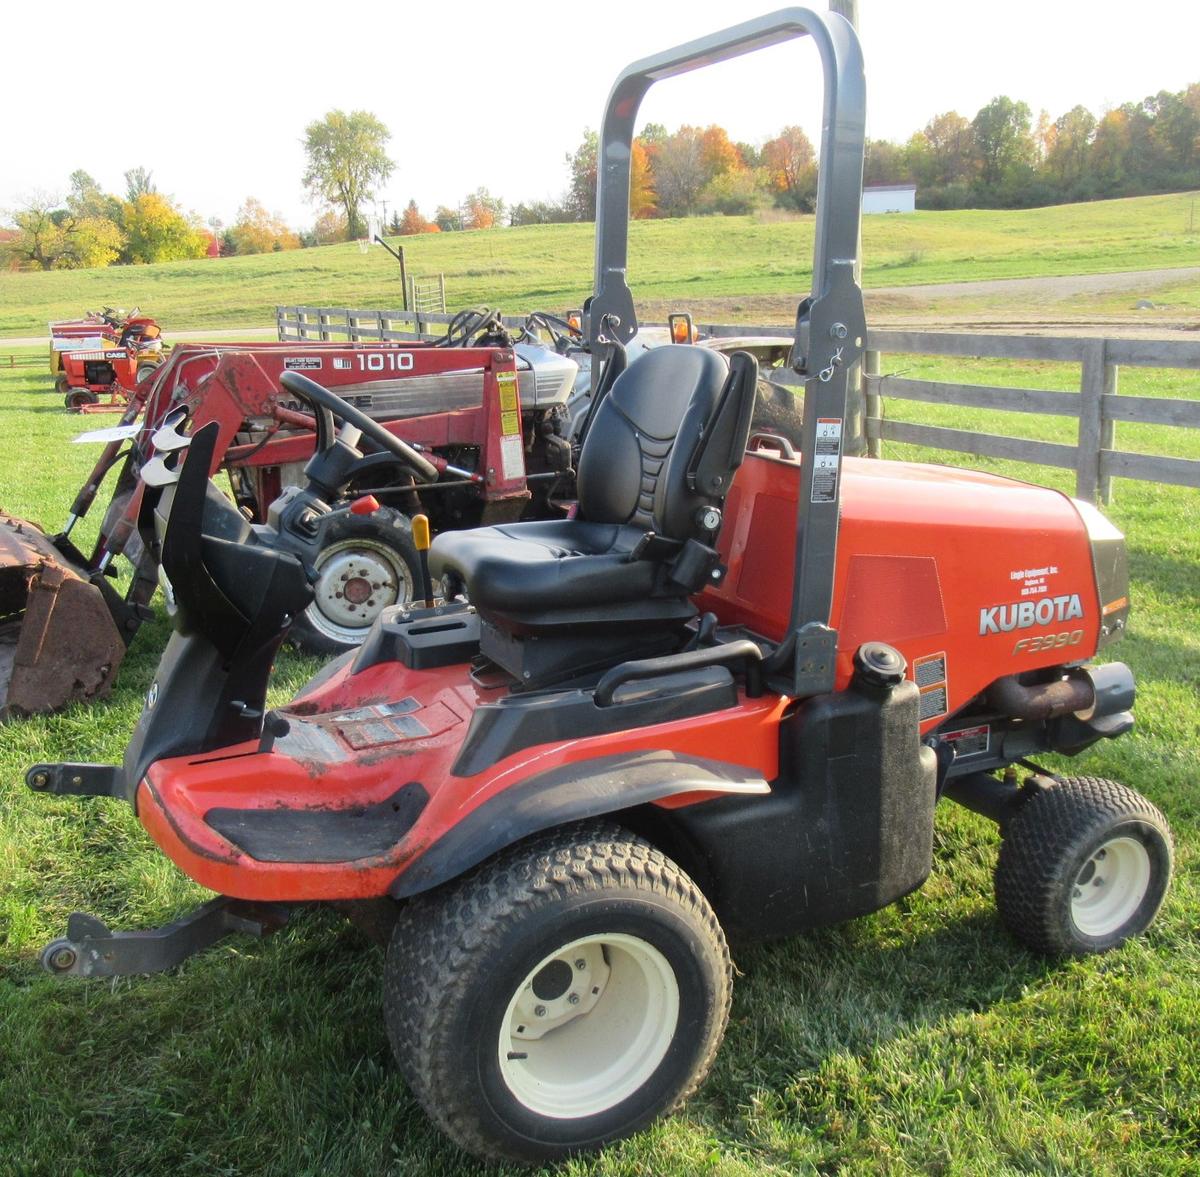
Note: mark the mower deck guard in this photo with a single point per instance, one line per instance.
(59, 643)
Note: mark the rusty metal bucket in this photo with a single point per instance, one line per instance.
(59, 643)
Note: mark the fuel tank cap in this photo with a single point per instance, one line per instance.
(879, 665)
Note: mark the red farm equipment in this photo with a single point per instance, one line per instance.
(725, 696)
(103, 379)
(96, 330)
(484, 420)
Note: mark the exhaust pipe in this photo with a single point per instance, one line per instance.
(1087, 692)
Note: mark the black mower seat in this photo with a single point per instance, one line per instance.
(637, 475)
(572, 562)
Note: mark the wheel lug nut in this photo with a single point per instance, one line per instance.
(539, 1011)
(1097, 882)
(573, 999)
(1077, 893)
(1101, 853)
(581, 964)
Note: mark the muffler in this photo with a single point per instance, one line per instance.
(59, 643)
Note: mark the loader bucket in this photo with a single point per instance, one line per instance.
(58, 641)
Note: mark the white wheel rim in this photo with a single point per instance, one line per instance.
(601, 1032)
(1110, 886)
(356, 580)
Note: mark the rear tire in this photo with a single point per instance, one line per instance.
(559, 997)
(370, 556)
(1083, 866)
(78, 397)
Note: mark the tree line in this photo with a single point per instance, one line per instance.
(1001, 158)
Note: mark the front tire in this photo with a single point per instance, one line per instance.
(559, 997)
(365, 564)
(1083, 866)
(78, 397)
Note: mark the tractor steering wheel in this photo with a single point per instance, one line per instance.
(328, 405)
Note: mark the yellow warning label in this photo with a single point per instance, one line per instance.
(510, 423)
(509, 400)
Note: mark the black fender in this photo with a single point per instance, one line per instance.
(572, 792)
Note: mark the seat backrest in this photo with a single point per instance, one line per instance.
(634, 464)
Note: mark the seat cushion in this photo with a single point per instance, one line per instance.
(555, 564)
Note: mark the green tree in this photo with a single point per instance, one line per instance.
(1070, 143)
(951, 149)
(347, 157)
(680, 172)
(51, 237)
(581, 190)
(448, 220)
(138, 182)
(157, 231)
(1002, 139)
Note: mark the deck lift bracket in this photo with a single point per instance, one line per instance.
(830, 323)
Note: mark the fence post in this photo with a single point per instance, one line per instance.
(442, 292)
(1091, 413)
(301, 323)
(1108, 430)
(873, 401)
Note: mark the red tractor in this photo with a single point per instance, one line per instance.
(114, 369)
(724, 697)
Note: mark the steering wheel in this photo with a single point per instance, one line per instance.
(327, 406)
(467, 324)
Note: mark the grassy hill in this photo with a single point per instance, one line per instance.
(550, 266)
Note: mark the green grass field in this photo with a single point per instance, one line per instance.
(920, 1040)
(550, 266)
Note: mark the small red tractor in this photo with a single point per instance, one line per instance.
(724, 697)
(114, 369)
(96, 330)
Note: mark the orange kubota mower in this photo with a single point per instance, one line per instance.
(724, 697)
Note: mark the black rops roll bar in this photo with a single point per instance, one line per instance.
(830, 324)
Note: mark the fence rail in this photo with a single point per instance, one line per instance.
(1098, 405)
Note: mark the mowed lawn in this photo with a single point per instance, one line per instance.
(919, 1040)
(549, 267)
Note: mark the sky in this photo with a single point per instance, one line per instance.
(213, 98)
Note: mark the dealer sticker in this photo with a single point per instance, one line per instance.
(303, 363)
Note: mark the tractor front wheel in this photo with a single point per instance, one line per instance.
(559, 997)
(365, 564)
(1083, 866)
(78, 397)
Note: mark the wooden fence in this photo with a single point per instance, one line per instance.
(1098, 405)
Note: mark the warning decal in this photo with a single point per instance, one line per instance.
(512, 457)
(510, 401)
(969, 741)
(303, 363)
(825, 459)
(929, 673)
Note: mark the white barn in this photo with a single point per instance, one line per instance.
(890, 198)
